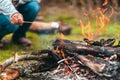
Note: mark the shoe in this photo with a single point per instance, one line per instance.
(66, 30)
(23, 41)
(1, 44)
(62, 29)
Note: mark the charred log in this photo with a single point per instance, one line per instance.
(100, 66)
(73, 47)
(47, 51)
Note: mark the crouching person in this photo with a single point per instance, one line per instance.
(12, 19)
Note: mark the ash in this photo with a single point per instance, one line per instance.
(63, 73)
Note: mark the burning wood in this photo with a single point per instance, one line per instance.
(73, 61)
(97, 64)
(100, 66)
(76, 47)
(94, 66)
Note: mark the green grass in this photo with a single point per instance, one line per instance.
(45, 41)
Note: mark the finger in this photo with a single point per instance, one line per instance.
(20, 20)
(14, 19)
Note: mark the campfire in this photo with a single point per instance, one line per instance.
(70, 60)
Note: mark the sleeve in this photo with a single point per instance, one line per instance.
(7, 8)
(24, 1)
(39, 1)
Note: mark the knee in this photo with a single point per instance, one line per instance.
(9, 27)
(33, 7)
(6, 26)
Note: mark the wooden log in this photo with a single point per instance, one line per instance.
(97, 67)
(36, 60)
(16, 71)
(9, 74)
(73, 47)
(12, 72)
(100, 67)
(20, 58)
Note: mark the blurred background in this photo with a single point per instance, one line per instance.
(92, 19)
(76, 8)
(102, 16)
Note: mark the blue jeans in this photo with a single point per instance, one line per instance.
(29, 12)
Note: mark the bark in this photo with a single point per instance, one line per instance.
(94, 66)
(75, 47)
(42, 60)
(9, 61)
(99, 66)
(16, 71)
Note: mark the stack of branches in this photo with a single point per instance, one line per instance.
(80, 50)
(24, 65)
(65, 50)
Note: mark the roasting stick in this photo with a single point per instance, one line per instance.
(28, 22)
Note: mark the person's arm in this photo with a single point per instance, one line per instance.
(7, 8)
(24, 1)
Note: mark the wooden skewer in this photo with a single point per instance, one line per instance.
(28, 22)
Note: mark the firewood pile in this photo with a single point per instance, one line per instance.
(68, 60)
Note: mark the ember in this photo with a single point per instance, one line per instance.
(68, 62)
(101, 63)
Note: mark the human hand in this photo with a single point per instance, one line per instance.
(17, 18)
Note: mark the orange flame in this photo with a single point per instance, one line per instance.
(57, 49)
(105, 2)
(63, 55)
(90, 55)
(102, 22)
(60, 51)
(106, 58)
(61, 43)
(62, 38)
(86, 28)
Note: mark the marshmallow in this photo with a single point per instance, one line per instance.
(55, 25)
